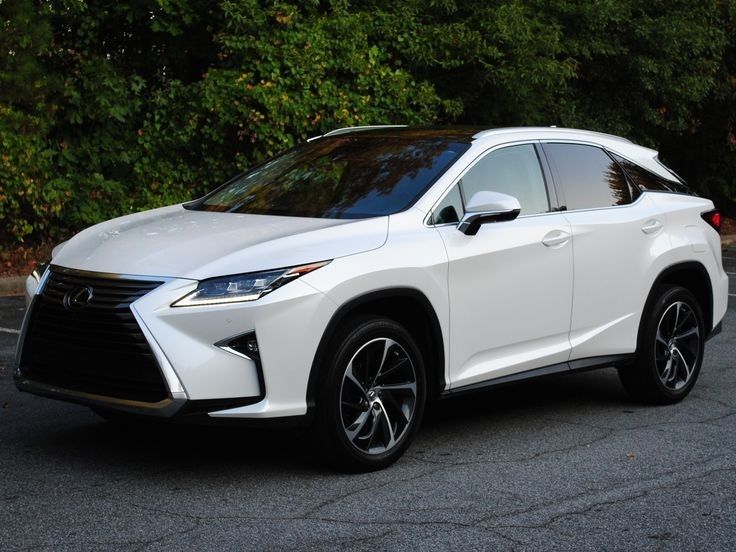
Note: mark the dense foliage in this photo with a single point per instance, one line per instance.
(108, 107)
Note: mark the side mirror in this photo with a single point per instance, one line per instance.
(486, 207)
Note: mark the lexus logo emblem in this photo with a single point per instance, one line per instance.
(77, 298)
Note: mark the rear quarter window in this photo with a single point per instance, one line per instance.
(647, 180)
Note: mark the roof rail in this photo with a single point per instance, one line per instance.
(551, 129)
(346, 130)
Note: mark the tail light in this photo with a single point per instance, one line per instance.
(714, 219)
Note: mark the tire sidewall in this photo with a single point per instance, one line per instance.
(666, 298)
(358, 333)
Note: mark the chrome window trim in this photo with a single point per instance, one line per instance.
(606, 151)
(548, 213)
(673, 176)
(428, 217)
(638, 199)
(472, 163)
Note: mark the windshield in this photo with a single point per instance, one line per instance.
(342, 177)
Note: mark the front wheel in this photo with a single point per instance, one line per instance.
(373, 395)
(670, 349)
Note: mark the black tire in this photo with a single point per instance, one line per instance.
(362, 421)
(667, 364)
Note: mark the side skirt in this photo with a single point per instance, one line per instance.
(579, 365)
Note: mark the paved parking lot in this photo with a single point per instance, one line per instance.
(564, 463)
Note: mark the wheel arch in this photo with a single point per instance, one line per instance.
(407, 306)
(694, 277)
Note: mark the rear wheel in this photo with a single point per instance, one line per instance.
(373, 395)
(670, 350)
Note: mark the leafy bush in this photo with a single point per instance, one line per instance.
(111, 107)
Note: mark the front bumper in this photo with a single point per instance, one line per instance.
(202, 376)
(165, 409)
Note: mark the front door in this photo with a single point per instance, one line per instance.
(510, 285)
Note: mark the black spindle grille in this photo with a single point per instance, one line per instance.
(82, 336)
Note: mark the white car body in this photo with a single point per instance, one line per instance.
(506, 304)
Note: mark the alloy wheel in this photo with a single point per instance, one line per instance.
(677, 345)
(378, 396)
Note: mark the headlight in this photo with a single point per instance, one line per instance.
(243, 287)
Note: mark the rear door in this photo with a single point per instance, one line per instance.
(510, 286)
(616, 233)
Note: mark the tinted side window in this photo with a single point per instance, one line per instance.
(450, 208)
(514, 171)
(646, 180)
(588, 176)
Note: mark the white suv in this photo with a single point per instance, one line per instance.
(350, 279)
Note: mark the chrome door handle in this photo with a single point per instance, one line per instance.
(556, 238)
(651, 226)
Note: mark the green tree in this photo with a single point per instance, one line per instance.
(110, 107)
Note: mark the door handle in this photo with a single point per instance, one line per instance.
(556, 238)
(652, 226)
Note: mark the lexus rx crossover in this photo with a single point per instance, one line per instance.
(349, 280)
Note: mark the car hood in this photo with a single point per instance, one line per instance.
(180, 243)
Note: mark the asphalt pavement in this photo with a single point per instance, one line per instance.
(567, 463)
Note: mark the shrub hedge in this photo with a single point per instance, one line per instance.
(108, 107)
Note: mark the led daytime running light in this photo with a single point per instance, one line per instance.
(242, 288)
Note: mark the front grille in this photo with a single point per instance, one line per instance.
(91, 345)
